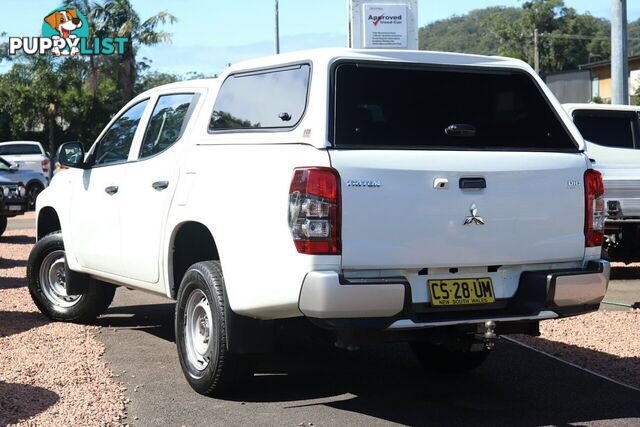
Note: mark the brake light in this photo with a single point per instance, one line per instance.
(594, 208)
(45, 165)
(314, 210)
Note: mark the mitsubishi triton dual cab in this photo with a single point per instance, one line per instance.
(440, 199)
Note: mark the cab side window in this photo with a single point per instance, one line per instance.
(274, 99)
(167, 123)
(115, 144)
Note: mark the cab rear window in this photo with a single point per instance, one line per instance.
(19, 149)
(381, 106)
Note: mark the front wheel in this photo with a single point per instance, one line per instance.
(442, 359)
(201, 335)
(47, 281)
(33, 190)
(3, 224)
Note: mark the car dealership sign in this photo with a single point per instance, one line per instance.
(391, 24)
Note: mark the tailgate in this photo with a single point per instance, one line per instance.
(397, 213)
(405, 135)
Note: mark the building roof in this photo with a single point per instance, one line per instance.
(605, 62)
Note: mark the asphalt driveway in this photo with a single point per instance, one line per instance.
(309, 383)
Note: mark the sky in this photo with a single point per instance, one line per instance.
(210, 34)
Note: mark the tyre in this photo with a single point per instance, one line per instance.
(46, 279)
(3, 224)
(33, 190)
(201, 335)
(441, 359)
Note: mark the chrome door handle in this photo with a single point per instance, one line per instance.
(111, 190)
(160, 185)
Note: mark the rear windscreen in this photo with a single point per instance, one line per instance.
(19, 149)
(386, 107)
(610, 128)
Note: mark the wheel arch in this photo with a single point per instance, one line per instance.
(191, 242)
(48, 222)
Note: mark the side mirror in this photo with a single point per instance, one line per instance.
(13, 168)
(71, 154)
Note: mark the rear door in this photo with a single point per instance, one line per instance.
(150, 182)
(449, 167)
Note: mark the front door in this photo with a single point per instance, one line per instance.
(96, 199)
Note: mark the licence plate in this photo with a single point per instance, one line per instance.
(449, 292)
(15, 208)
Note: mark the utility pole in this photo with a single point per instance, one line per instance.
(277, 30)
(619, 60)
(536, 51)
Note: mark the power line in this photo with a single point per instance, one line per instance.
(577, 37)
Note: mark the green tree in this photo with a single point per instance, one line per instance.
(566, 40)
(117, 18)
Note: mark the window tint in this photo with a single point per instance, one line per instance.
(19, 149)
(272, 99)
(378, 106)
(166, 123)
(115, 144)
(613, 129)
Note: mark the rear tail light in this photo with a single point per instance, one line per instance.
(45, 165)
(314, 211)
(594, 208)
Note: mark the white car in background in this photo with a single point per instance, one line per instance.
(26, 155)
(612, 136)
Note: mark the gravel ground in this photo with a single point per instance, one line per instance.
(50, 373)
(606, 342)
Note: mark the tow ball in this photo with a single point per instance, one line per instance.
(486, 335)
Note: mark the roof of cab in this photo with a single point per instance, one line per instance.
(328, 55)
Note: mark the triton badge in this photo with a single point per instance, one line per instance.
(474, 218)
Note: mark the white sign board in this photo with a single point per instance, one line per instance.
(383, 24)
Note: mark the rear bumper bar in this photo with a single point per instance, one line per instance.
(385, 303)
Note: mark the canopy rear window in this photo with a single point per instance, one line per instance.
(381, 106)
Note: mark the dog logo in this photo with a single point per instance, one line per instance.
(65, 22)
(473, 218)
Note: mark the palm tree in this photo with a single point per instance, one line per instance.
(117, 18)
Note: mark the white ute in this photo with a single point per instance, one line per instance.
(441, 199)
(612, 142)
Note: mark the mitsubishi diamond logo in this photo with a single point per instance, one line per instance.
(474, 218)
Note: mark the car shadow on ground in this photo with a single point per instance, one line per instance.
(155, 319)
(516, 386)
(18, 402)
(12, 263)
(16, 322)
(625, 273)
(18, 240)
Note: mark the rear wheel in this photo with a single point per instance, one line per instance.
(201, 336)
(442, 359)
(47, 281)
(3, 224)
